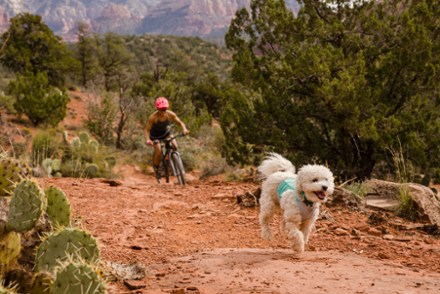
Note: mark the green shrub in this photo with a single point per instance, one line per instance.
(72, 168)
(213, 166)
(101, 117)
(40, 102)
(407, 207)
(357, 188)
(44, 145)
(7, 102)
(85, 157)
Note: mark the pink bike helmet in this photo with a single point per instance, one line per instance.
(162, 103)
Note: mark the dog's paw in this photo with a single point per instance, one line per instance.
(266, 234)
(298, 248)
(297, 239)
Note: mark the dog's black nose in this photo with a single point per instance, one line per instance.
(324, 188)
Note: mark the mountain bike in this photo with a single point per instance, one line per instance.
(171, 158)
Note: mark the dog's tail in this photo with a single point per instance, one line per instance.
(274, 162)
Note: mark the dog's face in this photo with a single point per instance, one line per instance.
(316, 181)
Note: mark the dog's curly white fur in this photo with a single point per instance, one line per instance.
(299, 203)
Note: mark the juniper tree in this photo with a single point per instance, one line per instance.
(342, 82)
(86, 53)
(31, 46)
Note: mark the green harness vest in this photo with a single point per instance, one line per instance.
(289, 184)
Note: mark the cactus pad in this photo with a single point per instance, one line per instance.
(84, 137)
(8, 290)
(26, 206)
(76, 142)
(66, 243)
(47, 166)
(56, 165)
(58, 207)
(111, 161)
(9, 251)
(78, 278)
(11, 172)
(91, 170)
(41, 283)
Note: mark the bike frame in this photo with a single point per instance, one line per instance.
(171, 157)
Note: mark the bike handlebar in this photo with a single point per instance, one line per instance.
(174, 137)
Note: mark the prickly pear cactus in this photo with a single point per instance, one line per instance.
(47, 166)
(7, 290)
(77, 277)
(110, 161)
(27, 204)
(19, 277)
(64, 244)
(84, 137)
(9, 251)
(56, 165)
(58, 207)
(41, 283)
(76, 142)
(11, 171)
(91, 170)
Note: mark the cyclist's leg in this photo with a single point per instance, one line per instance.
(157, 154)
(174, 144)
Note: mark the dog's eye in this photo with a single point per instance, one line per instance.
(315, 180)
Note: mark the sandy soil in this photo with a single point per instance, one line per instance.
(197, 239)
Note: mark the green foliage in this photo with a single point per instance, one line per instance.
(86, 52)
(358, 188)
(336, 84)
(32, 47)
(44, 145)
(240, 128)
(40, 102)
(100, 119)
(194, 56)
(407, 207)
(85, 157)
(114, 58)
(7, 102)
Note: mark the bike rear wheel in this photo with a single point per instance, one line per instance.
(178, 169)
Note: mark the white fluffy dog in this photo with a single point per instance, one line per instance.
(298, 195)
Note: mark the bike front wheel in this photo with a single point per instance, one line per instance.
(178, 169)
(166, 169)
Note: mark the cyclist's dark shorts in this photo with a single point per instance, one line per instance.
(160, 138)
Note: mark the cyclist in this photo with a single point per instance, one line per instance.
(159, 128)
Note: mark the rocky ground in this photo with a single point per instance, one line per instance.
(198, 239)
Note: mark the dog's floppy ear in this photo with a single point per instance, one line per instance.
(301, 176)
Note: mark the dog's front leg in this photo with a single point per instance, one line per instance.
(308, 225)
(292, 219)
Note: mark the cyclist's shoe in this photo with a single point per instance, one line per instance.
(157, 173)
